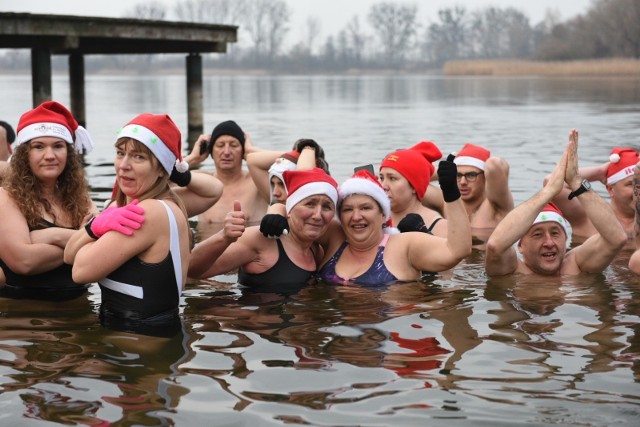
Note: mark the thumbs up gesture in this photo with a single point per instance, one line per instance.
(234, 222)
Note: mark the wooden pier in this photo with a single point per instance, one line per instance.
(77, 36)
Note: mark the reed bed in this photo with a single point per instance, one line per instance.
(594, 67)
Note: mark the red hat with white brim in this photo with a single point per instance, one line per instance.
(160, 135)
(363, 182)
(472, 155)
(622, 162)
(53, 119)
(307, 183)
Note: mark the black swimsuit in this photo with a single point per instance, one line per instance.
(284, 273)
(52, 285)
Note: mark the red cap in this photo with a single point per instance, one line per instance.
(472, 155)
(415, 164)
(363, 182)
(160, 135)
(622, 164)
(53, 119)
(551, 213)
(305, 183)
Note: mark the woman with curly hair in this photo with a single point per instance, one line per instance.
(44, 198)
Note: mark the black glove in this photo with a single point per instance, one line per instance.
(412, 222)
(307, 143)
(447, 176)
(181, 178)
(273, 226)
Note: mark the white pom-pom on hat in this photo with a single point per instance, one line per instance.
(614, 158)
(182, 165)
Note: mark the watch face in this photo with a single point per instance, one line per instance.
(586, 184)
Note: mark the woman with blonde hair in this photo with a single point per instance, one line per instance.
(143, 264)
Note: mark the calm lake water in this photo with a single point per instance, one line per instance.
(458, 349)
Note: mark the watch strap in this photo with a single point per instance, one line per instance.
(584, 187)
(87, 228)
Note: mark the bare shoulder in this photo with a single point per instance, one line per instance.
(154, 211)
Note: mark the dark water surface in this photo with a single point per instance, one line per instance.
(458, 349)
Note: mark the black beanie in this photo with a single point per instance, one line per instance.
(230, 128)
(11, 134)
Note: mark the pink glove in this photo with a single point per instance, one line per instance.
(123, 220)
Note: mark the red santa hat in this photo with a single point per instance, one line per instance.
(53, 119)
(551, 213)
(363, 182)
(415, 164)
(622, 162)
(303, 184)
(286, 162)
(472, 155)
(160, 135)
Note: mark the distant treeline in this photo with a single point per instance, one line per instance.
(388, 36)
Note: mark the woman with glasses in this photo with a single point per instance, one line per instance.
(405, 176)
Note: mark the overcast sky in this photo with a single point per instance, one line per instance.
(333, 14)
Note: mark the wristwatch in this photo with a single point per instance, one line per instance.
(584, 187)
(87, 228)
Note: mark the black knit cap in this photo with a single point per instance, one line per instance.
(230, 128)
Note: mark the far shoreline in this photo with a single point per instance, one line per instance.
(614, 67)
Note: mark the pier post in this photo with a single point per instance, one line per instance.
(40, 75)
(77, 93)
(195, 115)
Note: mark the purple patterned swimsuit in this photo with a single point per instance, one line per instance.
(376, 275)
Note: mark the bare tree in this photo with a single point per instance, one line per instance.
(357, 40)
(211, 11)
(311, 32)
(266, 22)
(447, 39)
(148, 10)
(395, 25)
(618, 22)
(501, 33)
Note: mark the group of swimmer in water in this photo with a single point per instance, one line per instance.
(283, 221)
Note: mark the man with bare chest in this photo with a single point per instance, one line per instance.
(228, 146)
(484, 188)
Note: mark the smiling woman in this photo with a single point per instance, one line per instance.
(288, 262)
(44, 199)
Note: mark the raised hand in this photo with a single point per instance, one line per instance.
(572, 174)
(234, 222)
(555, 183)
(124, 220)
(273, 226)
(447, 176)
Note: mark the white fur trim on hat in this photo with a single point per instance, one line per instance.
(84, 143)
(621, 174)
(550, 216)
(368, 188)
(157, 146)
(469, 161)
(277, 169)
(37, 130)
(311, 189)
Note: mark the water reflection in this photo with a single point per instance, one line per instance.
(456, 349)
(63, 367)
